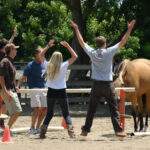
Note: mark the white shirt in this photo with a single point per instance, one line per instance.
(101, 62)
(60, 80)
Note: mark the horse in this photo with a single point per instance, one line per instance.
(136, 74)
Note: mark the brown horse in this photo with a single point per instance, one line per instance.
(136, 73)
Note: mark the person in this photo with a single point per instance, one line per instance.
(117, 64)
(8, 83)
(35, 79)
(102, 78)
(56, 83)
(3, 43)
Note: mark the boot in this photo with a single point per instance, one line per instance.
(43, 131)
(120, 134)
(84, 133)
(71, 131)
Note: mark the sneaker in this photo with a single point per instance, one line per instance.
(84, 133)
(1, 134)
(32, 131)
(71, 131)
(120, 134)
(38, 130)
(11, 134)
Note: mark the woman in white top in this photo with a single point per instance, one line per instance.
(56, 83)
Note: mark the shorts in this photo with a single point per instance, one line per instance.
(38, 99)
(13, 106)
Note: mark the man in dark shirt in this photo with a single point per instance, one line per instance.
(3, 43)
(8, 84)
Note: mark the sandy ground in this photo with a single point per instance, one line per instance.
(101, 136)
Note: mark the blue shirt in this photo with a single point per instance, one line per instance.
(35, 74)
(101, 62)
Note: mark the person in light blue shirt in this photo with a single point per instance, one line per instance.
(102, 78)
(34, 73)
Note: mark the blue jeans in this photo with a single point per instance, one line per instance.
(60, 96)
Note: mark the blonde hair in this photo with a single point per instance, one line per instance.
(53, 67)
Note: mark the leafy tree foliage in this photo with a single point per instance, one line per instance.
(38, 21)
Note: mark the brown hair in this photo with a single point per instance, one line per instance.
(3, 42)
(100, 41)
(37, 50)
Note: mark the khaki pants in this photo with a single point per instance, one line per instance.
(13, 106)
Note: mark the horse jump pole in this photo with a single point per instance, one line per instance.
(84, 90)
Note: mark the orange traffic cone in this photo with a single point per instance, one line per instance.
(64, 124)
(6, 136)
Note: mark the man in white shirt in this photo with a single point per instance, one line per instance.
(102, 78)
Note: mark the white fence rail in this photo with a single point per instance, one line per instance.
(86, 90)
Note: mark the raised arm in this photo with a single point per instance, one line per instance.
(78, 34)
(74, 56)
(127, 34)
(50, 44)
(13, 36)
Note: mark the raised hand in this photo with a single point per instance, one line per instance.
(51, 43)
(74, 25)
(131, 24)
(64, 43)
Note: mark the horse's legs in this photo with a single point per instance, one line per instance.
(140, 110)
(134, 114)
(141, 121)
(146, 114)
(146, 124)
(147, 110)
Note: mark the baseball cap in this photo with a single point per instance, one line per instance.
(9, 46)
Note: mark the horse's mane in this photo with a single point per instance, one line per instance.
(123, 70)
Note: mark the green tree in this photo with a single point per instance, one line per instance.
(37, 21)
